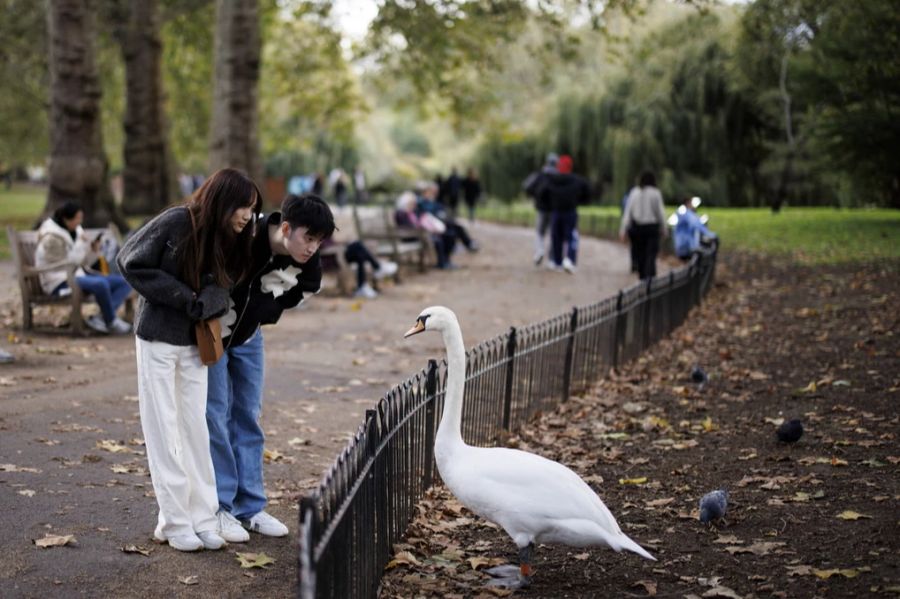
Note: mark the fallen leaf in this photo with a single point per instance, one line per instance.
(254, 560)
(54, 540)
(112, 446)
(479, 562)
(403, 558)
(726, 539)
(633, 481)
(581, 556)
(660, 502)
(27, 492)
(845, 572)
(189, 580)
(648, 585)
(271, 455)
(136, 549)
(799, 570)
(851, 515)
(14, 468)
(758, 548)
(721, 591)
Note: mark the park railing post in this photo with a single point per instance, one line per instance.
(618, 332)
(510, 368)
(570, 348)
(430, 401)
(309, 517)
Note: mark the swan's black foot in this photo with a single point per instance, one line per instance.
(513, 577)
(507, 577)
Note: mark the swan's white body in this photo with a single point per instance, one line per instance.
(535, 500)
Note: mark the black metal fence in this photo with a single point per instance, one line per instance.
(366, 500)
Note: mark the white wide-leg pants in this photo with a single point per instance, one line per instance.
(172, 395)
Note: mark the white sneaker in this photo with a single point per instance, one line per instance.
(211, 540)
(551, 265)
(538, 258)
(568, 266)
(187, 542)
(266, 525)
(120, 327)
(366, 291)
(386, 269)
(230, 529)
(96, 323)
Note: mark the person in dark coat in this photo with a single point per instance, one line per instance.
(533, 186)
(563, 191)
(471, 192)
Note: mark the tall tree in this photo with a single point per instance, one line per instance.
(148, 175)
(78, 166)
(234, 132)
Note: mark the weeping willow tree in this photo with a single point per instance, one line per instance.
(674, 110)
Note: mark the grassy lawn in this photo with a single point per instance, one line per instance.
(808, 235)
(19, 207)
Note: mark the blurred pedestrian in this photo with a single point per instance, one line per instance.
(564, 191)
(471, 192)
(533, 187)
(645, 217)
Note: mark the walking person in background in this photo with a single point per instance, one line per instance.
(563, 191)
(183, 263)
(62, 239)
(533, 186)
(452, 185)
(471, 192)
(645, 217)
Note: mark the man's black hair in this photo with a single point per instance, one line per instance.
(647, 179)
(310, 211)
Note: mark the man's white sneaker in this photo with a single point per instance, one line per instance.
(230, 529)
(267, 525)
(211, 540)
(386, 269)
(538, 258)
(186, 542)
(120, 327)
(568, 266)
(366, 291)
(96, 323)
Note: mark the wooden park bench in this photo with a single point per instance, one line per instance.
(376, 228)
(24, 246)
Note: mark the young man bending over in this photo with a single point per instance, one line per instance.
(285, 267)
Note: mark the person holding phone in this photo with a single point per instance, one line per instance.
(62, 239)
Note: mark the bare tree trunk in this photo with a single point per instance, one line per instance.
(78, 167)
(148, 175)
(234, 138)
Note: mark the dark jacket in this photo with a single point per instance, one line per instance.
(563, 192)
(534, 185)
(471, 190)
(250, 305)
(168, 307)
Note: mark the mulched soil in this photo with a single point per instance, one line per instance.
(818, 518)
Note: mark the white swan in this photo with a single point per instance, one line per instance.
(535, 500)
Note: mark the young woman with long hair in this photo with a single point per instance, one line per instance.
(183, 264)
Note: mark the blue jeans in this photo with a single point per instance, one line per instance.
(234, 400)
(563, 233)
(110, 292)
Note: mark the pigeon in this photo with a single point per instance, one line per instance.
(790, 431)
(698, 375)
(713, 505)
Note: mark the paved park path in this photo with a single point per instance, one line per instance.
(71, 458)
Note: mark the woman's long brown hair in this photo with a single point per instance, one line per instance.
(211, 247)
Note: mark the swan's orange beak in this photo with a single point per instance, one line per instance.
(417, 328)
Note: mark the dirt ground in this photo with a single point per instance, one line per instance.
(71, 454)
(818, 518)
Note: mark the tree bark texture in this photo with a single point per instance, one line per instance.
(78, 169)
(234, 136)
(148, 175)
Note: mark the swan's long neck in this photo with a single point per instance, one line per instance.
(449, 433)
